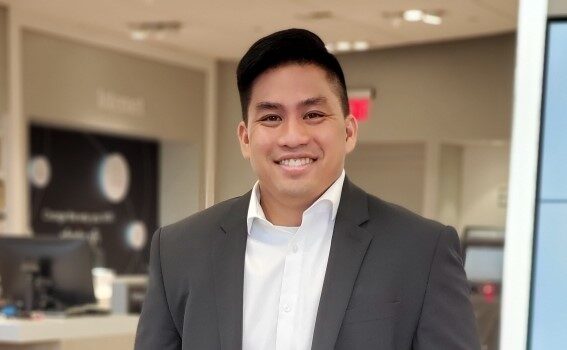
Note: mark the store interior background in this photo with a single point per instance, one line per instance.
(437, 139)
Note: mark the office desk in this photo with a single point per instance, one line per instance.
(75, 333)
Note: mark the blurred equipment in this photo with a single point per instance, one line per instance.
(46, 274)
(103, 279)
(128, 293)
(483, 249)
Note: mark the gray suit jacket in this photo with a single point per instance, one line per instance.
(394, 281)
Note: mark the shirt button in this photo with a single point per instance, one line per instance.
(294, 248)
(287, 308)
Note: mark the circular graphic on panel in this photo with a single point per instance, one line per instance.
(114, 177)
(39, 171)
(136, 235)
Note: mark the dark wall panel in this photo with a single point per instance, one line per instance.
(96, 186)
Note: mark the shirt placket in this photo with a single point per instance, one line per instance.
(289, 296)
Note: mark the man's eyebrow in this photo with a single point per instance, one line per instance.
(260, 106)
(313, 101)
(271, 106)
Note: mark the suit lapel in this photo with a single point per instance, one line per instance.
(228, 265)
(348, 248)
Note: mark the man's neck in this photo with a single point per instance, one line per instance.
(287, 210)
(284, 212)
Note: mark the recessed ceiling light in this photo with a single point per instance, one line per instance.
(138, 35)
(158, 30)
(343, 46)
(413, 15)
(360, 45)
(432, 19)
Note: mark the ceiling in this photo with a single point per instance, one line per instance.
(224, 29)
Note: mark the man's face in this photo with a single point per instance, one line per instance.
(296, 137)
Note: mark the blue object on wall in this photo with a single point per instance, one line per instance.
(548, 314)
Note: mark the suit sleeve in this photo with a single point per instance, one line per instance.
(447, 320)
(156, 329)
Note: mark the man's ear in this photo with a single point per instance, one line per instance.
(351, 127)
(243, 139)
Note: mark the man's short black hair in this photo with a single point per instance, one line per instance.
(290, 46)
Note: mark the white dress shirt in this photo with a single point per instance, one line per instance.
(284, 271)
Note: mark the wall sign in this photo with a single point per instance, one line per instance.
(110, 101)
(360, 102)
(96, 186)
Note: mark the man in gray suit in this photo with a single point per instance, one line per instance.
(306, 260)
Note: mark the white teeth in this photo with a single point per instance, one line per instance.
(296, 162)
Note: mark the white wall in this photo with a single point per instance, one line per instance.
(523, 175)
(485, 183)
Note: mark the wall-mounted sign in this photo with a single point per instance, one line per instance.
(113, 102)
(99, 187)
(360, 102)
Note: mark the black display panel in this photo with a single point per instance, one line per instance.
(94, 186)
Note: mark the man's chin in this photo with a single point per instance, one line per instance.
(299, 193)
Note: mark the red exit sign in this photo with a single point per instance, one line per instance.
(360, 102)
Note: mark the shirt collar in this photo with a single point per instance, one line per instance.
(332, 195)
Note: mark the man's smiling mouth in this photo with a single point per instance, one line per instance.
(296, 162)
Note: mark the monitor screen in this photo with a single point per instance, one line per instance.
(484, 263)
(46, 273)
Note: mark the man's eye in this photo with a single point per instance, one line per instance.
(271, 118)
(314, 115)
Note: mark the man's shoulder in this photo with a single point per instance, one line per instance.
(389, 211)
(411, 234)
(401, 221)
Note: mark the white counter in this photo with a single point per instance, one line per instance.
(69, 333)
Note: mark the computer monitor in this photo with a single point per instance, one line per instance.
(483, 249)
(484, 263)
(49, 274)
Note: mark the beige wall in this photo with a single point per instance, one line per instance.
(3, 105)
(62, 79)
(393, 172)
(473, 185)
(453, 90)
(233, 176)
(3, 60)
(179, 189)
(485, 182)
(450, 185)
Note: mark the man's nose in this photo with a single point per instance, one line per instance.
(294, 133)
